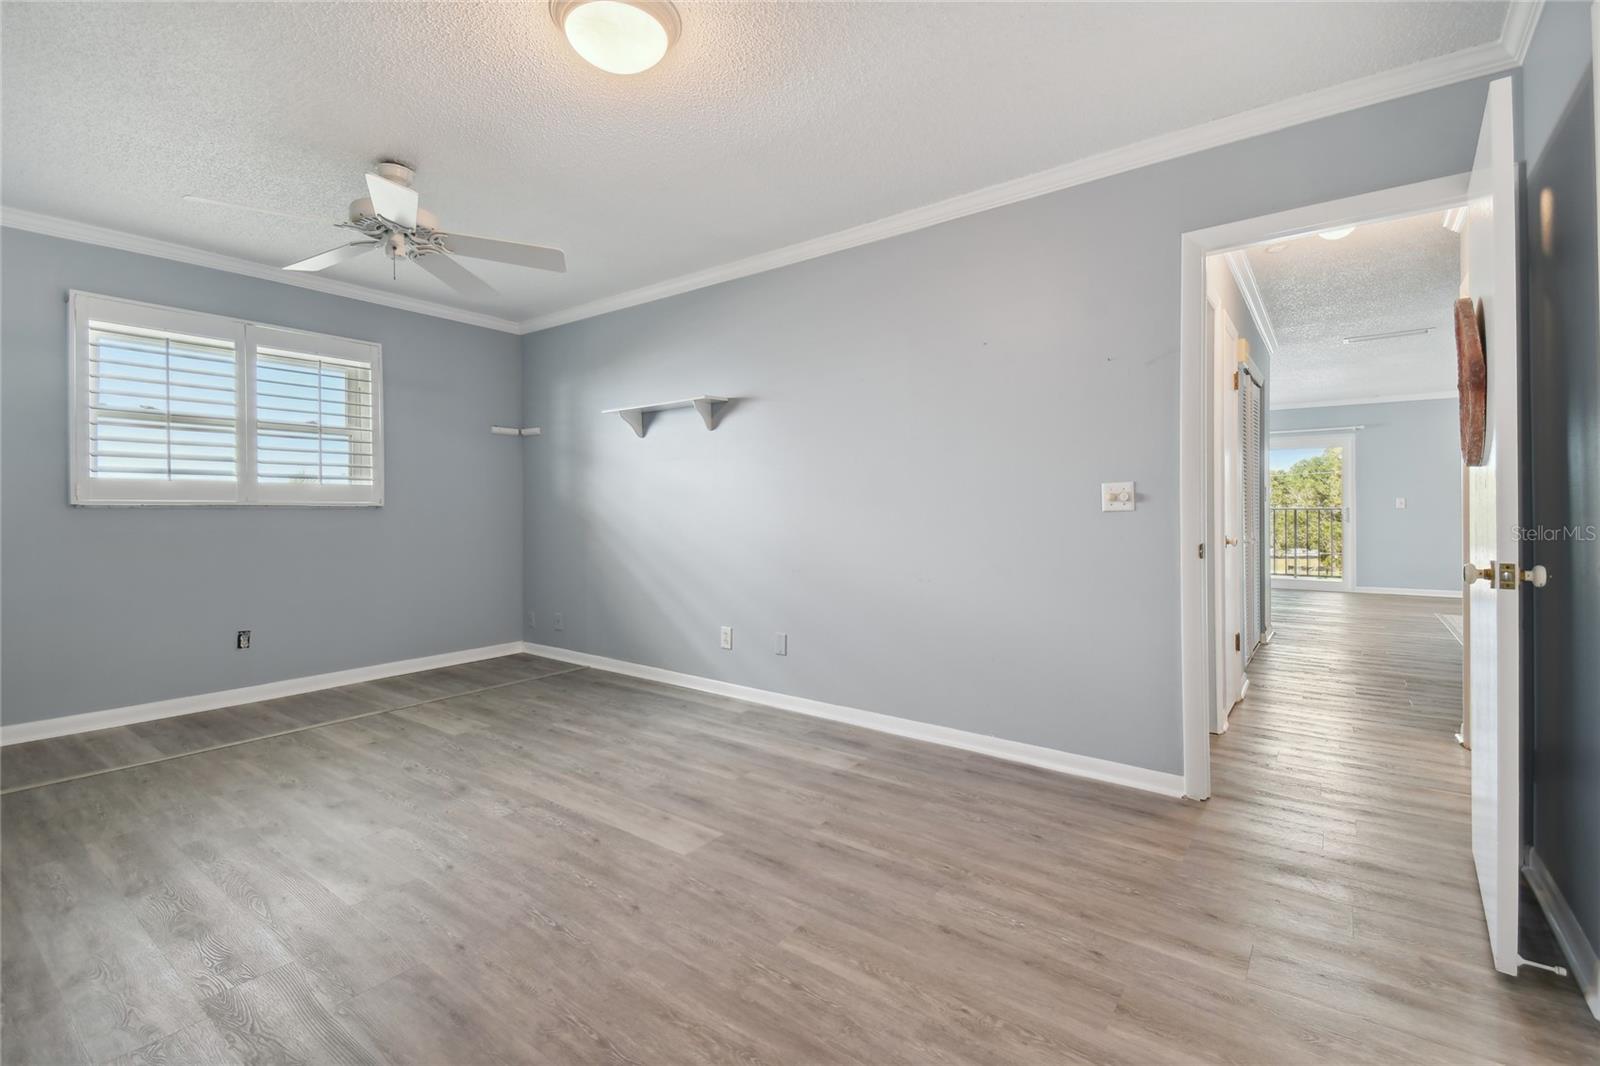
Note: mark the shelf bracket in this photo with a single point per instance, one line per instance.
(634, 416)
(704, 405)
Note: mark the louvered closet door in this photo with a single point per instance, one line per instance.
(1253, 438)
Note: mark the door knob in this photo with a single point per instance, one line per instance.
(1538, 577)
(1470, 573)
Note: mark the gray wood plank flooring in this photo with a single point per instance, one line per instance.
(509, 864)
(81, 755)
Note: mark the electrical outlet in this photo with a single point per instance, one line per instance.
(1399, 503)
(242, 641)
(780, 644)
(560, 623)
(727, 638)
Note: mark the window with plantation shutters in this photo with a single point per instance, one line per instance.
(176, 407)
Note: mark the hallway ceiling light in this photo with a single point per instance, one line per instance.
(618, 36)
(1337, 234)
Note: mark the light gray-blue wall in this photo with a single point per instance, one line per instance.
(106, 607)
(1405, 450)
(1562, 779)
(909, 486)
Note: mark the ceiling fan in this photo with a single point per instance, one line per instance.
(389, 217)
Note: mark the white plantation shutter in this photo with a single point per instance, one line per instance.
(161, 405)
(180, 408)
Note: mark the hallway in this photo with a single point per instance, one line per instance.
(1340, 819)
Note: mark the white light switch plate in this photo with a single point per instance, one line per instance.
(1399, 503)
(1116, 496)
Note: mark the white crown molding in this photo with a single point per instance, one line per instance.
(1245, 278)
(52, 226)
(1064, 762)
(1359, 401)
(88, 721)
(1522, 19)
(1479, 61)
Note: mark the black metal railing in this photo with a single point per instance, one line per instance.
(1307, 542)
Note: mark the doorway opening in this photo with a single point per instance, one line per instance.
(1280, 496)
(1356, 679)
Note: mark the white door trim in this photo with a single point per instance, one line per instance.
(1196, 456)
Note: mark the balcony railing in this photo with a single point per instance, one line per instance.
(1308, 542)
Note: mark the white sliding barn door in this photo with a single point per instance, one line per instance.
(1489, 275)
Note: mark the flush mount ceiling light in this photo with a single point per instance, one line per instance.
(1337, 234)
(618, 36)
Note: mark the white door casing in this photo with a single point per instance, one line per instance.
(1489, 277)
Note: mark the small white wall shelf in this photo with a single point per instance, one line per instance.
(513, 431)
(637, 416)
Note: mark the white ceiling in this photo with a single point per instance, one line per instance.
(1383, 278)
(768, 124)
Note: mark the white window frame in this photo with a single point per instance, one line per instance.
(246, 337)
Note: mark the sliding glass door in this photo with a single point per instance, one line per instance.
(1311, 527)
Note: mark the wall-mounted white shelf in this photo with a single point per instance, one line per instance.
(514, 431)
(637, 416)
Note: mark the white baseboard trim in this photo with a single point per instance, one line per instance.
(1580, 953)
(1064, 762)
(88, 721)
(1438, 594)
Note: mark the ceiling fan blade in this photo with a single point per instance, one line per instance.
(207, 201)
(527, 255)
(397, 203)
(334, 256)
(454, 275)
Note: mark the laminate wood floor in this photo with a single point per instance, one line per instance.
(580, 867)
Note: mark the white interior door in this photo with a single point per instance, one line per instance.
(1252, 458)
(1232, 522)
(1489, 275)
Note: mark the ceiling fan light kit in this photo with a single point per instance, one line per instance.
(618, 36)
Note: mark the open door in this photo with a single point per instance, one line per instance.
(1494, 574)
(1232, 673)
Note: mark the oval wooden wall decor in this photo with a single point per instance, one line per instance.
(1472, 379)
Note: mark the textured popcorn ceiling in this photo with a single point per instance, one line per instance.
(766, 125)
(1383, 278)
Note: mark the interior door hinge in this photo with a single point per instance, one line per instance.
(1235, 381)
(1236, 645)
(1202, 551)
